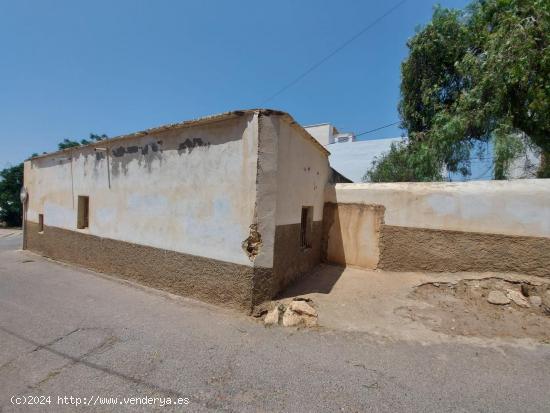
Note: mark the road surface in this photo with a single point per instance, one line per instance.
(68, 332)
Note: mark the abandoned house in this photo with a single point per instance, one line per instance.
(231, 208)
(225, 208)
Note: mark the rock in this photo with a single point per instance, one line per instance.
(290, 318)
(263, 308)
(535, 300)
(310, 321)
(498, 298)
(517, 298)
(528, 290)
(302, 299)
(546, 303)
(272, 317)
(301, 307)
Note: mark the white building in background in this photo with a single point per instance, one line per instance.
(352, 158)
(348, 156)
(327, 134)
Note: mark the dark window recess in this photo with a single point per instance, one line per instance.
(305, 227)
(40, 222)
(83, 212)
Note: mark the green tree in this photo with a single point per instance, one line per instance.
(474, 75)
(69, 143)
(11, 181)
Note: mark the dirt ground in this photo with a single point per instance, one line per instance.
(428, 307)
(463, 309)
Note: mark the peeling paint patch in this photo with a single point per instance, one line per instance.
(120, 151)
(188, 145)
(253, 243)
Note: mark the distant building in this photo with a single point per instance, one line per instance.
(327, 134)
(352, 158)
(348, 156)
(355, 158)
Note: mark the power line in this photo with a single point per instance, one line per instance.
(377, 129)
(339, 48)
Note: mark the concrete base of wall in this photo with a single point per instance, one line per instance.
(210, 280)
(419, 249)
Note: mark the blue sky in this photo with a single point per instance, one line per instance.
(72, 67)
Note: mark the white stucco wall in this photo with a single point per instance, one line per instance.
(519, 207)
(198, 200)
(324, 133)
(303, 171)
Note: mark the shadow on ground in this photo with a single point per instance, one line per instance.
(319, 281)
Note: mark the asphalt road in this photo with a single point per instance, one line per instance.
(70, 332)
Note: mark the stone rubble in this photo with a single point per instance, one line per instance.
(535, 300)
(272, 317)
(291, 319)
(497, 298)
(545, 305)
(298, 313)
(302, 307)
(518, 298)
(262, 309)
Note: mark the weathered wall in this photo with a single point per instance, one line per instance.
(210, 208)
(519, 207)
(420, 249)
(351, 234)
(303, 172)
(191, 190)
(467, 226)
(215, 281)
(293, 170)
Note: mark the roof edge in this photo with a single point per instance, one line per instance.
(219, 117)
(169, 126)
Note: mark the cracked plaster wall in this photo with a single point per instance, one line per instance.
(190, 190)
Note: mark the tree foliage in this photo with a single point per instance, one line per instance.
(11, 181)
(400, 164)
(69, 143)
(474, 75)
